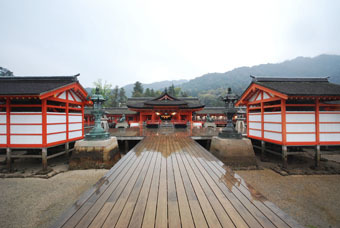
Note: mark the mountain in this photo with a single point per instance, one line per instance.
(238, 79)
(155, 85)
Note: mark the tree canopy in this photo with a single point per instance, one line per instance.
(137, 89)
(5, 72)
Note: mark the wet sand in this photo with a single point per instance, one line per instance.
(312, 200)
(36, 202)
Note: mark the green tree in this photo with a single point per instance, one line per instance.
(104, 88)
(184, 94)
(157, 93)
(152, 93)
(122, 97)
(113, 100)
(147, 93)
(177, 92)
(171, 90)
(137, 90)
(5, 72)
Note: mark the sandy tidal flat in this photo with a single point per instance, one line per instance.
(35, 202)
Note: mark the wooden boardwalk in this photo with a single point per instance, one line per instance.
(171, 181)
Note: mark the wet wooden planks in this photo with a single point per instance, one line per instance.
(171, 181)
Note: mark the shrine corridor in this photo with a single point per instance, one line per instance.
(171, 181)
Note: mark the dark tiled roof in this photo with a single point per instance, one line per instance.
(217, 110)
(150, 102)
(300, 86)
(114, 111)
(211, 110)
(33, 85)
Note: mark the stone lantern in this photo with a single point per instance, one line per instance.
(229, 131)
(97, 132)
(98, 149)
(229, 146)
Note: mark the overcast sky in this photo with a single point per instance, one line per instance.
(154, 40)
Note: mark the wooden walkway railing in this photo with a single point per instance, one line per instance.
(171, 181)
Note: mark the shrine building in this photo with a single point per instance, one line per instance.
(40, 113)
(165, 107)
(151, 112)
(292, 112)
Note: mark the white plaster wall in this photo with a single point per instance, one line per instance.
(3, 139)
(303, 117)
(300, 127)
(75, 134)
(272, 117)
(137, 124)
(265, 96)
(3, 129)
(253, 97)
(56, 118)
(272, 127)
(56, 137)
(329, 117)
(26, 139)
(75, 118)
(56, 128)
(72, 127)
(301, 138)
(194, 124)
(63, 95)
(255, 125)
(273, 136)
(26, 118)
(26, 129)
(255, 117)
(330, 128)
(3, 118)
(75, 96)
(255, 133)
(330, 137)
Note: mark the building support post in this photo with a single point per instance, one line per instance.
(8, 159)
(44, 158)
(317, 155)
(284, 156)
(263, 150)
(126, 146)
(67, 148)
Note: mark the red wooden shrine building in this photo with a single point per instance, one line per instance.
(165, 107)
(40, 113)
(293, 112)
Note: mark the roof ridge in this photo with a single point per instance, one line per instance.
(288, 79)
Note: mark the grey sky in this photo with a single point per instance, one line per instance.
(153, 40)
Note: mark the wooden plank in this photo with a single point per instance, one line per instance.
(260, 217)
(90, 208)
(286, 218)
(112, 196)
(98, 186)
(241, 209)
(138, 194)
(207, 209)
(173, 210)
(184, 209)
(250, 194)
(221, 214)
(196, 209)
(150, 211)
(140, 208)
(162, 201)
(224, 200)
(120, 199)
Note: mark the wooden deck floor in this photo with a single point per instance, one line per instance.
(171, 181)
